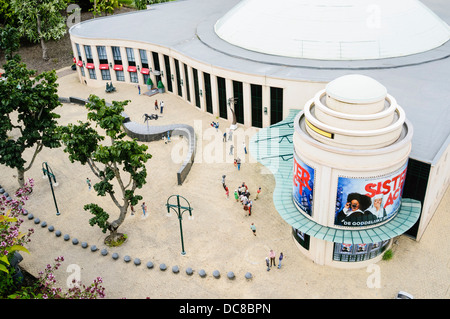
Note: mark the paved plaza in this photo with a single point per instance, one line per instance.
(219, 235)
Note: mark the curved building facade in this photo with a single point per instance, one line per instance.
(207, 54)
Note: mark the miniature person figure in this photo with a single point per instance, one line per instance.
(238, 163)
(253, 228)
(257, 193)
(144, 209)
(279, 260)
(272, 257)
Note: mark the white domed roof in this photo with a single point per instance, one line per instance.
(356, 88)
(333, 29)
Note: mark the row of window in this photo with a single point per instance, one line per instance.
(256, 107)
(346, 252)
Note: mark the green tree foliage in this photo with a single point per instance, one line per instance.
(41, 21)
(121, 162)
(9, 41)
(7, 13)
(158, 1)
(12, 240)
(27, 118)
(105, 6)
(140, 4)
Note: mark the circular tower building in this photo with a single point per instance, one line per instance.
(350, 148)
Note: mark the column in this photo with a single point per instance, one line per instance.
(266, 105)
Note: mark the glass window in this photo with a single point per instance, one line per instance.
(196, 87)
(177, 72)
(186, 80)
(116, 55)
(92, 74)
(106, 75)
(358, 252)
(120, 76)
(144, 60)
(208, 94)
(130, 57)
(168, 73)
(79, 52)
(87, 50)
(222, 92)
(146, 77)
(134, 77)
(257, 108)
(276, 105)
(238, 94)
(102, 57)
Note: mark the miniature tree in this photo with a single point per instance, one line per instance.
(40, 21)
(27, 118)
(9, 41)
(104, 6)
(140, 4)
(108, 162)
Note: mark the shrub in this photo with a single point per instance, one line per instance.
(11, 240)
(388, 254)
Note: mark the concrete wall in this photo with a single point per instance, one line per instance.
(438, 182)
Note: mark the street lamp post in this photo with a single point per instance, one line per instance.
(48, 172)
(179, 210)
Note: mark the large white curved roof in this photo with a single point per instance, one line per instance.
(333, 29)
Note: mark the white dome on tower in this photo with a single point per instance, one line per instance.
(333, 29)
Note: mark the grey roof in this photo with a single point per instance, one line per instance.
(419, 82)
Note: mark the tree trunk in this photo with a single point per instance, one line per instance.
(43, 45)
(113, 235)
(114, 226)
(21, 177)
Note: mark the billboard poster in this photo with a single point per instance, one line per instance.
(358, 252)
(303, 190)
(369, 201)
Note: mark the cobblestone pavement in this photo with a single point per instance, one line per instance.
(219, 235)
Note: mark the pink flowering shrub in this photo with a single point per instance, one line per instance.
(11, 240)
(10, 211)
(48, 290)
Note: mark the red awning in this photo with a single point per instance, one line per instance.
(90, 66)
(131, 69)
(145, 71)
(103, 66)
(80, 63)
(118, 67)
